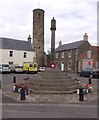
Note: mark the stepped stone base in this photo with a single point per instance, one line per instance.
(53, 81)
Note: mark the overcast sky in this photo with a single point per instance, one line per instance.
(73, 19)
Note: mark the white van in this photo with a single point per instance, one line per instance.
(4, 68)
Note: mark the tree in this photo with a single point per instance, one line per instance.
(48, 52)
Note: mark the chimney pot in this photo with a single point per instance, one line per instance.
(60, 43)
(85, 37)
(29, 39)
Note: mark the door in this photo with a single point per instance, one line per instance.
(62, 66)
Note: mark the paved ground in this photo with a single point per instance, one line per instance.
(49, 111)
(8, 78)
(44, 98)
(62, 108)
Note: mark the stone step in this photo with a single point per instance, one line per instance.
(53, 92)
(53, 83)
(55, 88)
(52, 72)
(52, 80)
(53, 77)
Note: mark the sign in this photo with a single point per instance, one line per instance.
(89, 62)
(52, 65)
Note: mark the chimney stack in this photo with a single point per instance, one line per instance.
(85, 37)
(29, 39)
(60, 43)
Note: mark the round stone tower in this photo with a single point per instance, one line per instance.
(38, 35)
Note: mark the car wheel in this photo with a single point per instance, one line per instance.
(91, 76)
(79, 75)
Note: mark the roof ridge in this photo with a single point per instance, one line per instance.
(13, 39)
(15, 44)
(72, 45)
(74, 42)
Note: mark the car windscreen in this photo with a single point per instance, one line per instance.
(90, 69)
(18, 67)
(5, 65)
(35, 65)
(31, 65)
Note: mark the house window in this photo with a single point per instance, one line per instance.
(97, 65)
(11, 53)
(10, 63)
(69, 65)
(76, 53)
(25, 54)
(63, 54)
(89, 54)
(69, 53)
(56, 55)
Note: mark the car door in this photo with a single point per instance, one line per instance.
(88, 72)
(85, 72)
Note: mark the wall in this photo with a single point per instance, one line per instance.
(94, 57)
(0, 56)
(65, 60)
(17, 56)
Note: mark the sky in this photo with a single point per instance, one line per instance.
(74, 18)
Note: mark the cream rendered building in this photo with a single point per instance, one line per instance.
(15, 51)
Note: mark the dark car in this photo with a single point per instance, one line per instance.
(89, 72)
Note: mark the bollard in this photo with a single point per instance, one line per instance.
(16, 88)
(0, 84)
(27, 92)
(22, 94)
(14, 79)
(89, 80)
(81, 94)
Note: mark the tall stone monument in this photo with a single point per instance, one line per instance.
(38, 35)
(53, 28)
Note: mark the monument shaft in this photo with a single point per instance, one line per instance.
(53, 28)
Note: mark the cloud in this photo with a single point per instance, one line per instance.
(73, 19)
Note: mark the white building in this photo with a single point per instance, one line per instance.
(15, 51)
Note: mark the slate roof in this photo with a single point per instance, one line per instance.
(7, 43)
(68, 46)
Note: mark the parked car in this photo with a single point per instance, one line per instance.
(5, 68)
(29, 67)
(89, 72)
(18, 69)
(41, 69)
